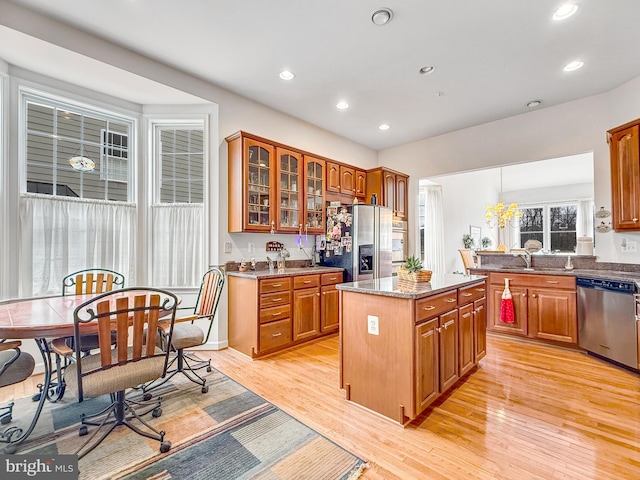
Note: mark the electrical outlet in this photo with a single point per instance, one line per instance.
(632, 246)
(373, 326)
(251, 247)
(227, 247)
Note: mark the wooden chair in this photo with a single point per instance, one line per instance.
(88, 281)
(186, 334)
(467, 259)
(15, 367)
(135, 360)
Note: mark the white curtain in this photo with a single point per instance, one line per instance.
(61, 235)
(433, 230)
(178, 244)
(585, 218)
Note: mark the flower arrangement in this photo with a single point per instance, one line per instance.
(502, 215)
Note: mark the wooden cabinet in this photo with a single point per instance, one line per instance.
(252, 173)
(544, 306)
(269, 314)
(624, 147)
(314, 212)
(330, 302)
(289, 199)
(346, 180)
(391, 189)
(274, 186)
(411, 355)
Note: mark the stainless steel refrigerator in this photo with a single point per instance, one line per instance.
(358, 239)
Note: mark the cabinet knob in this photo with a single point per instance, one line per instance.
(524, 294)
(635, 219)
(534, 296)
(318, 294)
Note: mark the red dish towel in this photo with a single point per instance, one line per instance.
(507, 314)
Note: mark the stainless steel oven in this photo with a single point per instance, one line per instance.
(398, 243)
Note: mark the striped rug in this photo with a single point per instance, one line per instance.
(227, 433)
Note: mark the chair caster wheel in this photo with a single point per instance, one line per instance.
(146, 397)
(5, 419)
(205, 389)
(156, 412)
(165, 446)
(82, 431)
(209, 369)
(10, 449)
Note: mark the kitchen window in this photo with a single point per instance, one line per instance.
(553, 224)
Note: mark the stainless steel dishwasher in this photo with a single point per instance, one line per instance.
(606, 319)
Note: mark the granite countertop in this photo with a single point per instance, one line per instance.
(576, 272)
(288, 272)
(394, 287)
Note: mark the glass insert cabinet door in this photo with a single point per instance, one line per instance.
(314, 184)
(289, 190)
(260, 165)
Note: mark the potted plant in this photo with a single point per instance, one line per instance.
(467, 241)
(486, 242)
(412, 271)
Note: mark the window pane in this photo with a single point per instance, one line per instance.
(563, 227)
(531, 225)
(55, 135)
(182, 166)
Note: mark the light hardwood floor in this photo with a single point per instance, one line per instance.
(528, 412)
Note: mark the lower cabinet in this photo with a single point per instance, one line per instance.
(398, 354)
(270, 314)
(544, 306)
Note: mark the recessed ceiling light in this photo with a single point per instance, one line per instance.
(575, 65)
(382, 16)
(286, 75)
(384, 126)
(565, 11)
(439, 94)
(342, 105)
(534, 103)
(426, 70)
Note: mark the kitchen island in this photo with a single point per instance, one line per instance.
(402, 345)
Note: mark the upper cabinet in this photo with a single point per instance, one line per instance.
(314, 189)
(289, 205)
(391, 189)
(252, 172)
(346, 180)
(624, 146)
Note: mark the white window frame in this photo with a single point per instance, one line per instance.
(546, 219)
(27, 94)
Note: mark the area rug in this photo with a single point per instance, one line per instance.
(227, 433)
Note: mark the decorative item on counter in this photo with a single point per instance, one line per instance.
(585, 246)
(243, 266)
(507, 314)
(412, 271)
(253, 263)
(502, 217)
(467, 241)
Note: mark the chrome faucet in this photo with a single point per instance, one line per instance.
(270, 263)
(527, 258)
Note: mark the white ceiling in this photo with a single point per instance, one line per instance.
(491, 56)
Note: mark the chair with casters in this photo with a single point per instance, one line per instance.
(133, 313)
(88, 281)
(187, 334)
(15, 367)
(467, 259)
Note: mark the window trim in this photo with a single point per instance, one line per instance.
(546, 219)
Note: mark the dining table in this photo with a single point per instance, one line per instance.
(43, 319)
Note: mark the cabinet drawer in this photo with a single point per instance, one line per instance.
(435, 305)
(306, 281)
(540, 281)
(275, 334)
(275, 285)
(471, 293)
(275, 313)
(272, 299)
(331, 278)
